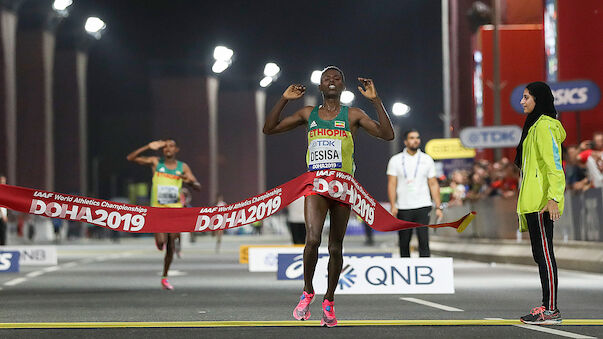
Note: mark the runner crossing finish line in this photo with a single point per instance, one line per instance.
(333, 184)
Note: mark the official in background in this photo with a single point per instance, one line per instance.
(411, 186)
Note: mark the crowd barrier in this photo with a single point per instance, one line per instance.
(497, 218)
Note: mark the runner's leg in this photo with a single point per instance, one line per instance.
(340, 214)
(169, 252)
(315, 212)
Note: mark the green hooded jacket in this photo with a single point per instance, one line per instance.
(542, 177)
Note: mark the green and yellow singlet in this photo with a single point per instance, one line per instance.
(330, 143)
(167, 185)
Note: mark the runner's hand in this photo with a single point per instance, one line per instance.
(369, 90)
(156, 145)
(553, 210)
(394, 211)
(294, 91)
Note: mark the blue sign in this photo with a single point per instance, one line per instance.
(491, 136)
(577, 95)
(9, 261)
(291, 265)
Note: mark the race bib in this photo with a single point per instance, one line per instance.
(167, 195)
(324, 154)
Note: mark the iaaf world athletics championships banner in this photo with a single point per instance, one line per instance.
(131, 218)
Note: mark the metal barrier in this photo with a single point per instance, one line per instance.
(497, 218)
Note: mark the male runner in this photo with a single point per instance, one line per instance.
(331, 130)
(168, 176)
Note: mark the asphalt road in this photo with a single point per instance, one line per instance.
(101, 289)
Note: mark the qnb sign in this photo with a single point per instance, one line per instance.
(491, 137)
(578, 95)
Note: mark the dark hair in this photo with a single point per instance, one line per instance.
(545, 105)
(408, 132)
(334, 68)
(174, 140)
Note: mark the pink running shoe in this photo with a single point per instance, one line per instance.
(165, 284)
(328, 314)
(302, 310)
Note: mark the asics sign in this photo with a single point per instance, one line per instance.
(577, 95)
(9, 261)
(491, 137)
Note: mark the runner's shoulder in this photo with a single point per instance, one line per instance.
(355, 114)
(305, 112)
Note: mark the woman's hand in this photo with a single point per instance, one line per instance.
(553, 209)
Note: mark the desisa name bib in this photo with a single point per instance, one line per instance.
(324, 154)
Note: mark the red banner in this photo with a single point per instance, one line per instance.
(336, 185)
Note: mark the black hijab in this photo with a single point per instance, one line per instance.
(544, 105)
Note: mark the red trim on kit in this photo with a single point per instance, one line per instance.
(547, 256)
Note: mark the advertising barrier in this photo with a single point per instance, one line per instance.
(34, 255)
(9, 261)
(389, 276)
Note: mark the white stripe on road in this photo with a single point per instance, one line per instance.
(548, 330)
(14, 282)
(51, 269)
(34, 274)
(70, 264)
(432, 304)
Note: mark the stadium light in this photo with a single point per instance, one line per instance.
(399, 109)
(271, 70)
(61, 5)
(265, 82)
(95, 26)
(223, 56)
(315, 77)
(347, 97)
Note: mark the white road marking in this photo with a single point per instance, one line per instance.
(34, 274)
(51, 269)
(548, 330)
(70, 264)
(15, 281)
(432, 304)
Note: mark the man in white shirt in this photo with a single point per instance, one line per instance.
(411, 185)
(3, 217)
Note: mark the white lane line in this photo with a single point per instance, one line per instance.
(548, 330)
(34, 274)
(432, 304)
(51, 269)
(14, 282)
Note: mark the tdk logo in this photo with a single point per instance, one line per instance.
(577, 95)
(491, 136)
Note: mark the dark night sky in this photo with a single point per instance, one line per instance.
(395, 42)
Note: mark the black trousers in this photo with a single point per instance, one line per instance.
(298, 232)
(3, 227)
(540, 227)
(419, 215)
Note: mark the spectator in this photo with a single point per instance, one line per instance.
(575, 171)
(594, 168)
(587, 146)
(296, 221)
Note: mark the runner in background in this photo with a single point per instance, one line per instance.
(331, 130)
(168, 176)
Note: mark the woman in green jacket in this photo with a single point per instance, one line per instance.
(540, 199)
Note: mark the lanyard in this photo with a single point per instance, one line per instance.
(416, 168)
